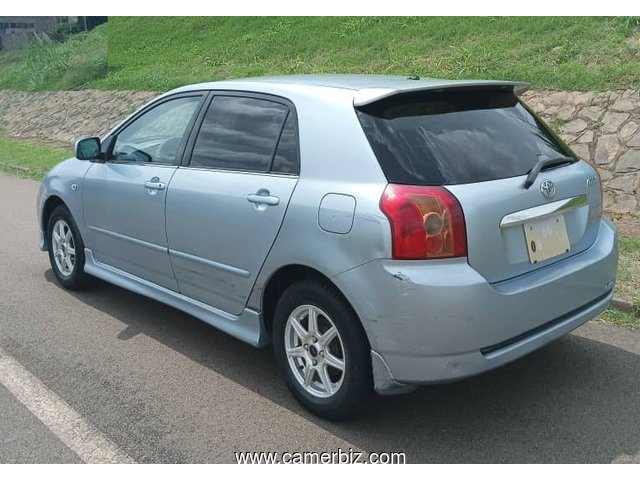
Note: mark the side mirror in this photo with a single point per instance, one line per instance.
(88, 149)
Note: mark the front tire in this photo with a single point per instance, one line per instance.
(66, 249)
(322, 351)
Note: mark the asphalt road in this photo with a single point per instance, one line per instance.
(164, 387)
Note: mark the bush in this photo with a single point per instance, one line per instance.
(48, 65)
(44, 59)
(67, 29)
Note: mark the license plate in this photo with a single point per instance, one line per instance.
(546, 238)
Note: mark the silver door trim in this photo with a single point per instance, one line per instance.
(542, 211)
(210, 263)
(248, 172)
(136, 241)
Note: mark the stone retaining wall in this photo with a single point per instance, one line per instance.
(63, 117)
(603, 128)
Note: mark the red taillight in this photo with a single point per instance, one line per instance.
(426, 222)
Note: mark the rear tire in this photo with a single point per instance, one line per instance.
(66, 249)
(322, 351)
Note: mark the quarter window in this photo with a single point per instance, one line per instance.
(286, 157)
(239, 133)
(157, 134)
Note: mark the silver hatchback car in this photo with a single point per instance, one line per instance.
(382, 232)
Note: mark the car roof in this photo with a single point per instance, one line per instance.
(360, 82)
(367, 88)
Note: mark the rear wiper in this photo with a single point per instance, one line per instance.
(543, 164)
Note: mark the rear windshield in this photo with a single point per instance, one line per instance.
(452, 137)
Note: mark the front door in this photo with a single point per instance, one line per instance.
(225, 208)
(124, 197)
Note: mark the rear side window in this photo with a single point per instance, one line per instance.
(239, 133)
(453, 137)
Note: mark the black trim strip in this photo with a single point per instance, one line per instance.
(541, 328)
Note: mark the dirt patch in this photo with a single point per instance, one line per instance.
(43, 142)
(628, 223)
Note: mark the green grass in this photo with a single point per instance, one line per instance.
(622, 319)
(629, 269)
(158, 53)
(70, 65)
(28, 161)
(628, 284)
(556, 123)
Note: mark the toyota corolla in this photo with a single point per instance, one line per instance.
(381, 232)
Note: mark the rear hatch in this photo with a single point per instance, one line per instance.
(481, 143)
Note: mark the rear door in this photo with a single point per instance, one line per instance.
(226, 205)
(480, 144)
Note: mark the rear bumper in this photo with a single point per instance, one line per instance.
(438, 321)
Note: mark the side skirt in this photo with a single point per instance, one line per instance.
(248, 326)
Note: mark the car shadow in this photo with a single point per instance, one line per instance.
(576, 400)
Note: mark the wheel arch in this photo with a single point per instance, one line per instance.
(286, 276)
(49, 205)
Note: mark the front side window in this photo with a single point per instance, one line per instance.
(239, 133)
(156, 135)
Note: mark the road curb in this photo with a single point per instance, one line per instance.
(622, 304)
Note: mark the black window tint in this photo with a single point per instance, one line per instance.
(286, 158)
(451, 137)
(239, 133)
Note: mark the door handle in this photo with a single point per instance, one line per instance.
(264, 197)
(154, 184)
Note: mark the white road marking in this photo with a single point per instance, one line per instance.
(65, 423)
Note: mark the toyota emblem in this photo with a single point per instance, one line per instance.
(548, 189)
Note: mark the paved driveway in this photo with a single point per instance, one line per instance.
(159, 386)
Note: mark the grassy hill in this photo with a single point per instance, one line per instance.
(57, 66)
(158, 53)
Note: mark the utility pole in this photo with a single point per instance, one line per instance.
(84, 20)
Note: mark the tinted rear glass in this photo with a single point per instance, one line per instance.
(452, 137)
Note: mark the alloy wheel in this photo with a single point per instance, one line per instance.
(64, 247)
(315, 351)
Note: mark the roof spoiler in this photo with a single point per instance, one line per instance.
(367, 96)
